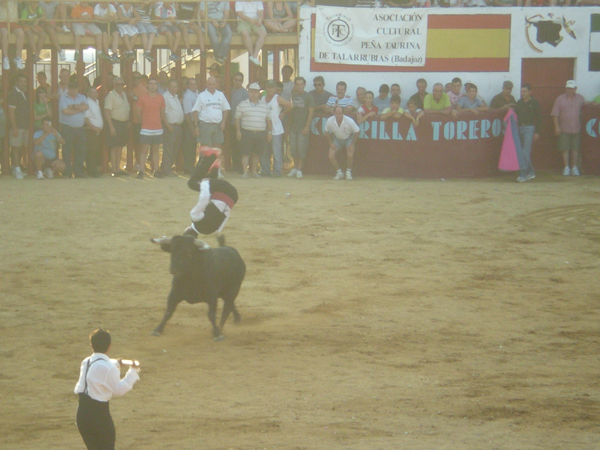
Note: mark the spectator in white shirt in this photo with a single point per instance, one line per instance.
(251, 15)
(99, 380)
(188, 138)
(210, 115)
(173, 127)
(342, 132)
(117, 112)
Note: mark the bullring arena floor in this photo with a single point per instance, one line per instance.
(376, 314)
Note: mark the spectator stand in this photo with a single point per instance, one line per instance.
(279, 49)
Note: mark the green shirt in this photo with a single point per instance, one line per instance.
(430, 103)
(39, 109)
(596, 99)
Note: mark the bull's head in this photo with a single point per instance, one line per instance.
(182, 249)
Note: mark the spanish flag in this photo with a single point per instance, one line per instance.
(455, 43)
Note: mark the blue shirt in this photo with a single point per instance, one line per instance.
(382, 104)
(465, 103)
(74, 120)
(48, 145)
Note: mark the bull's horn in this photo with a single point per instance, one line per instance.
(201, 244)
(161, 240)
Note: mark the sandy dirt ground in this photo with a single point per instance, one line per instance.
(376, 314)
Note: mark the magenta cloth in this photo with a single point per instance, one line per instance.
(508, 155)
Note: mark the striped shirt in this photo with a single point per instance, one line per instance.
(253, 116)
(343, 102)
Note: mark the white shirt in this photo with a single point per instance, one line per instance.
(94, 114)
(103, 378)
(197, 212)
(173, 109)
(250, 9)
(343, 131)
(189, 100)
(274, 111)
(210, 107)
(103, 12)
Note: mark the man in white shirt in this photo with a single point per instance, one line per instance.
(172, 130)
(99, 380)
(188, 139)
(210, 115)
(117, 112)
(93, 124)
(342, 132)
(251, 15)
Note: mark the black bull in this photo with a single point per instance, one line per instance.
(203, 274)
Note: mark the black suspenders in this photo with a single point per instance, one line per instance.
(85, 391)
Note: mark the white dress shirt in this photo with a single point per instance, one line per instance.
(173, 109)
(94, 114)
(103, 378)
(189, 100)
(342, 131)
(210, 107)
(197, 212)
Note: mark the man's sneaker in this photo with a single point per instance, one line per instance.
(531, 176)
(114, 58)
(245, 175)
(148, 56)
(19, 63)
(299, 174)
(292, 173)
(65, 29)
(17, 173)
(5, 63)
(174, 57)
(348, 174)
(49, 173)
(140, 175)
(36, 59)
(566, 171)
(522, 179)
(575, 172)
(339, 175)
(101, 55)
(254, 60)
(158, 174)
(61, 55)
(40, 175)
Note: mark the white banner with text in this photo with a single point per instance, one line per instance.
(364, 36)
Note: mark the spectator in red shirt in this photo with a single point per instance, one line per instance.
(151, 107)
(368, 110)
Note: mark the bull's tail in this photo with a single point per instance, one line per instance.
(221, 240)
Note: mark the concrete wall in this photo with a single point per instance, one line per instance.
(489, 83)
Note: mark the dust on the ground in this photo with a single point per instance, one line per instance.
(376, 314)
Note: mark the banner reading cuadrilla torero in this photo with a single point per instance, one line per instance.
(370, 36)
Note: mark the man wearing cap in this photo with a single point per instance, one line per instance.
(210, 115)
(253, 129)
(504, 99)
(566, 114)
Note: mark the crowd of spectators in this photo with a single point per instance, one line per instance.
(451, 3)
(265, 125)
(112, 24)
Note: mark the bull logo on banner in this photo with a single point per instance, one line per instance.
(547, 29)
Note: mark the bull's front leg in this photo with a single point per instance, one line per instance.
(212, 316)
(172, 303)
(228, 306)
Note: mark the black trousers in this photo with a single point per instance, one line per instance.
(95, 424)
(212, 220)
